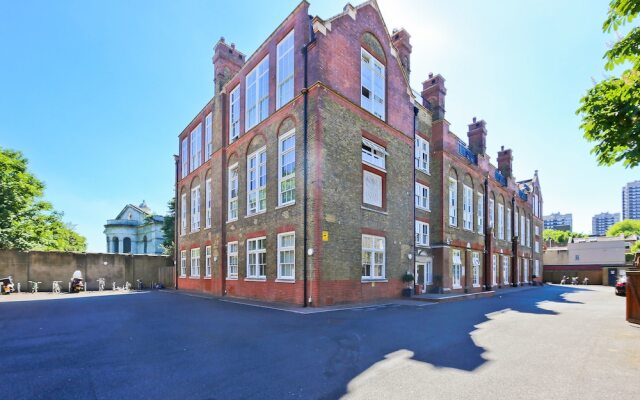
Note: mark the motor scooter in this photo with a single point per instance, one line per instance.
(77, 283)
(6, 285)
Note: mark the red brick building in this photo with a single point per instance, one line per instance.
(298, 182)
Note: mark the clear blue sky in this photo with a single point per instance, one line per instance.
(95, 93)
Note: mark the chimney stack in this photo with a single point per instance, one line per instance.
(227, 61)
(433, 94)
(505, 159)
(477, 135)
(402, 42)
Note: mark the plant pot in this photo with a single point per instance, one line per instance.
(417, 289)
(406, 292)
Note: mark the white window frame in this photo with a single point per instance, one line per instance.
(259, 254)
(183, 214)
(422, 197)
(195, 263)
(467, 208)
(525, 270)
(208, 205)
(285, 56)
(422, 154)
(515, 224)
(368, 195)
(232, 260)
(257, 89)
(536, 246)
(481, 213)
(183, 263)
(453, 202)
(289, 177)
(208, 136)
(368, 65)
(207, 262)
(281, 250)
(494, 269)
(500, 221)
(195, 209)
(259, 191)
(196, 147)
(234, 114)
(492, 213)
(475, 268)
(505, 270)
(422, 234)
(372, 251)
(185, 157)
(522, 230)
(536, 268)
(428, 272)
(456, 269)
(528, 232)
(374, 154)
(232, 192)
(508, 235)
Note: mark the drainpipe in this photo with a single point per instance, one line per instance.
(415, 117)
(305, 92)
(514, 244)
(175, 225)
(224, 208)
(487, 237)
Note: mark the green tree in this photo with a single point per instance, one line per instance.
(26, 221)
(626, 227)
(611, 108)
(169, 228)
(560, 237)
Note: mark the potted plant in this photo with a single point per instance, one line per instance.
(407, 278)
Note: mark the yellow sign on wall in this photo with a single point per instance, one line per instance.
(325, 236)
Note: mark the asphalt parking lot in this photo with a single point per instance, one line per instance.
(552, 342)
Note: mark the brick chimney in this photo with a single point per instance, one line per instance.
(402, 42)
(227, 61)
(433, 94)
(505, 159)
(477, 136)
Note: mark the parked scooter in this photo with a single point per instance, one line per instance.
(585, 281)
(6, 285)
(574, 280)
(77, 283)
(564, 280)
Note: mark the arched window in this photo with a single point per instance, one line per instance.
(144, 242)
(126, 245)
(116, 245)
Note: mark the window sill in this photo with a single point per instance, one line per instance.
(207, 277)
(285, 280)
(423, 209)
(373, 280)
(456, 287)
(263, 279)
(255, 214)
(286, 205)
(375, 166)
(422, 245)
(194, 277)
(232, 278)
(374, 210)
(423, 171)
(182, 276)
(232, 220)
(476, 285)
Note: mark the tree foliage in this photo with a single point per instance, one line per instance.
(626, 227)
(169, 228)
(26, 221)
(611, 108)
(560, 237)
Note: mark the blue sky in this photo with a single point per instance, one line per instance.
(95, 93)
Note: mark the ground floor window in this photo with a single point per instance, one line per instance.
(286, 255)
(505, 270)
(256, 258)
(232, 260)
(183, 263)
(475, 267)
(195, 262)
(207, 262)
(428, 273)
(536, 268)
(525, 270)
(494, 269)
(456, 270)
(373, 249)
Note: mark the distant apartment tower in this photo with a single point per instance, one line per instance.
(600, 223)
(631, 200)
(562, 222)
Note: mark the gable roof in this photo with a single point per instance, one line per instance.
(136, 208)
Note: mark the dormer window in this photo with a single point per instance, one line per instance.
(372, 85)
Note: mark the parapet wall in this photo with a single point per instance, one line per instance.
(49, 266)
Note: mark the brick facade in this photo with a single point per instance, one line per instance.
(331, 130)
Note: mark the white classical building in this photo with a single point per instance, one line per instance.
(135, 230)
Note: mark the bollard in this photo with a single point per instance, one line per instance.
(18, 287)
(69, 287)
